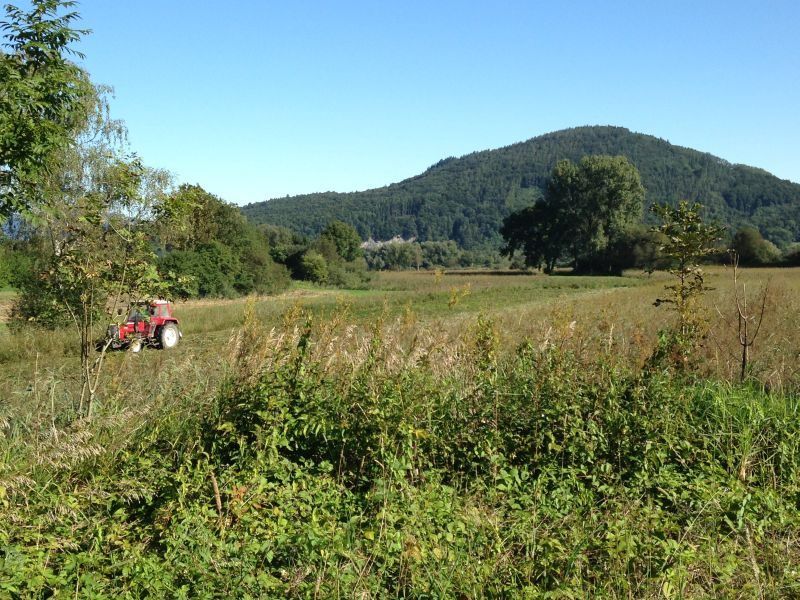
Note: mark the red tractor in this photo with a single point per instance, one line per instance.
(150, 323)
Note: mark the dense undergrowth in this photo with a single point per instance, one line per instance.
(334, 462)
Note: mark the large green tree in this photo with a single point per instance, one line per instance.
(345, 238)
(205, 238)
(44, 98)
(586, 210)
(532, 231)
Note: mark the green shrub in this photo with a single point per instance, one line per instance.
(213, 270)
(753, 249)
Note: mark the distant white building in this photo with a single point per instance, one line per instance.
(371, 244)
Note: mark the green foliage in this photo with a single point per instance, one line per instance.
(16, 264)
(335, 258)
(528, 231)
(404, 469)
(283, 243)
(5, 268)
(43, 100)
(466, 199)
(635, 248)
(397, 255)
(209, 241)
(595, 202)
(207, 267)
(345, 239)
(313, 267)
(752, 248)
(351, 275)
(440, 254)
(792, 256)
(586, 213)
(194, 217)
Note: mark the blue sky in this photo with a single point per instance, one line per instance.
(260, 99)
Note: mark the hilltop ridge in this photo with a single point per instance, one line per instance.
(466, 198)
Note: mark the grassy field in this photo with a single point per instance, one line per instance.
(435, 435)
(523, 305)
(617, 311)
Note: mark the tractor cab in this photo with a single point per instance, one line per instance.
(161, 309)
(138, 318)
(156, 310)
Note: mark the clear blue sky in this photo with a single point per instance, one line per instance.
(259, 99)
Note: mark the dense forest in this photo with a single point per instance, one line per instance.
(466, 199)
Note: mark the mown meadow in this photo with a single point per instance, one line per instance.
(437, 435)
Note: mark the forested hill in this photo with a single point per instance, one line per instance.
(465, 199)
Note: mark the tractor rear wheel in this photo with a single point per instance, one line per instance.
(169, 336)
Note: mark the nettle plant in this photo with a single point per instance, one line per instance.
(686, 240)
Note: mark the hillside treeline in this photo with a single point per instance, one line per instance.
(466, 199)
(211, 251)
